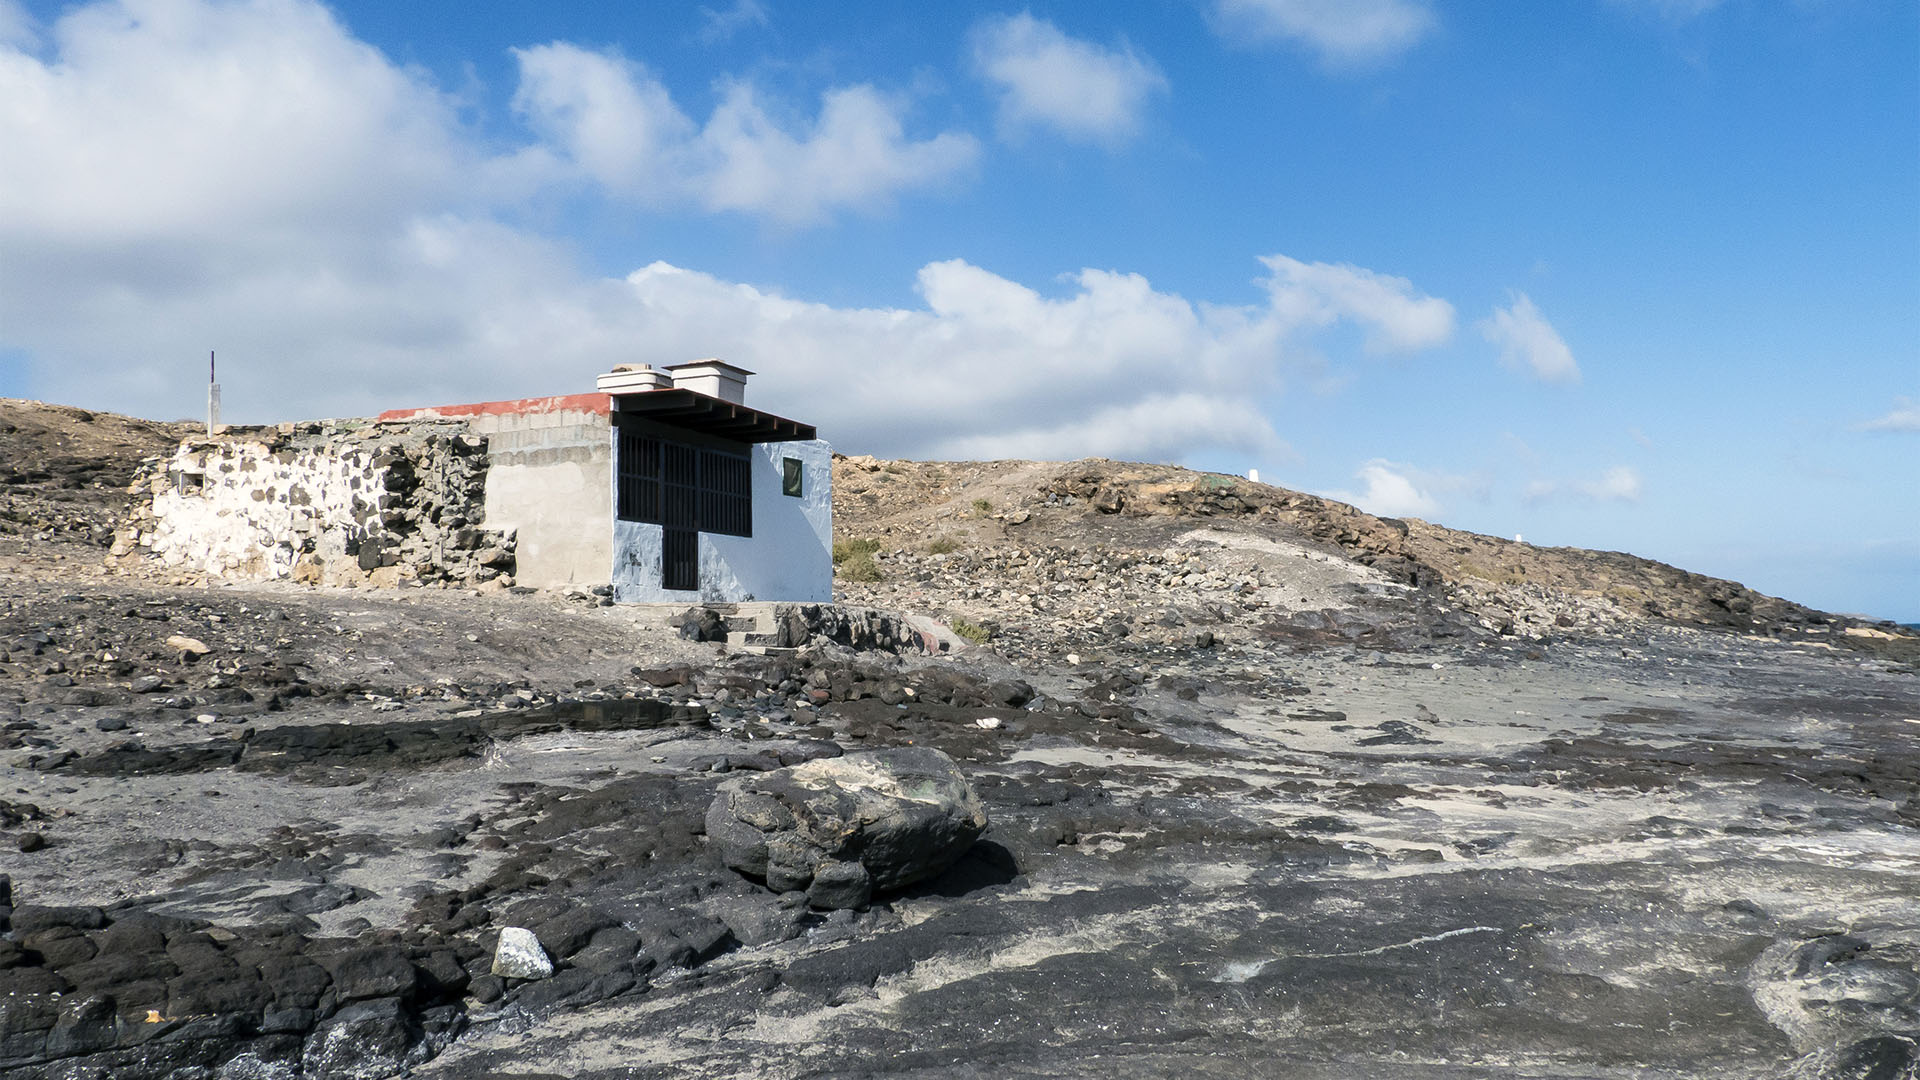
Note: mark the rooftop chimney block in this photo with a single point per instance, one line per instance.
(632, 379)
(714, 378)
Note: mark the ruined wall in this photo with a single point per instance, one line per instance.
(324, 503)
(549, 481)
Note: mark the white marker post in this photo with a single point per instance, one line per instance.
(213, 397)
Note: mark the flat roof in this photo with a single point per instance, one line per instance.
(711, 416)
(708, 363)
(587, 403)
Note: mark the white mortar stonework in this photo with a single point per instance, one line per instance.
(496, 494)
(324, 503)
(255, 511)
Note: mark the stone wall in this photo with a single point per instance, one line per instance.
(337, 503)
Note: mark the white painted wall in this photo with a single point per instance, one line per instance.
(789, 557)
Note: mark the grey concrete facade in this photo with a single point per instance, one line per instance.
(550, 480)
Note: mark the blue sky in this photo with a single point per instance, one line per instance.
(1630, 274)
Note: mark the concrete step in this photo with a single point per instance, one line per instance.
(763, 650)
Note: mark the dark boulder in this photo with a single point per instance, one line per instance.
(842, 829)
(367, 1040)
(703, 624)
(29, 918)
(371, 972)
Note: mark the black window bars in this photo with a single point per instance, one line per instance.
(703, 489)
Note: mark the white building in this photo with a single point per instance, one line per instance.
(664, 484)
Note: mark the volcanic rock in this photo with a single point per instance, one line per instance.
(842, 829)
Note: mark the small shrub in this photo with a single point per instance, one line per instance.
(982, 507)
(858, 566)
(945, 545)
(847, 549)
(973, 632)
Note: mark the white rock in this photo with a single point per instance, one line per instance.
(182, 643)
(519, 955)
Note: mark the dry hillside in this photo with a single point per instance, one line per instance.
(64, 471)
(910, 505)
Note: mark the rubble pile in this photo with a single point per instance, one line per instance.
(1062, 553)
(1537, 611)
(64, 471)
(1587, 587)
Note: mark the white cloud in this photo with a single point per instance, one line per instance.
(459, 311)
(169, 119)
(616, 124)
(1398, 318)
(1391, 491)
(1343, 32)
(248, 177)
(719, 25)
(1528, 342)
(161, 120)
(1904, 416)
(1621, 483)
(1046, 78)
(990, 367)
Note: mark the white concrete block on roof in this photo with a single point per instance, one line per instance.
(714, 378)
(633, 379)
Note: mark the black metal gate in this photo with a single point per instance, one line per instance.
(680, 518)
(685, 489)
(679, 559)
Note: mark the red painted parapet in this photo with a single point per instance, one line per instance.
(599, 404)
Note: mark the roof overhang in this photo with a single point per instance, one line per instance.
(710, 416)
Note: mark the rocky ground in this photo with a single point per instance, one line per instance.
(1273, 788)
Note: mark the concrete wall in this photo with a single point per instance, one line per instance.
(789, 556)
(550, 481)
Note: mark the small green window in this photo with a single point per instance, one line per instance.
(790, 477)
